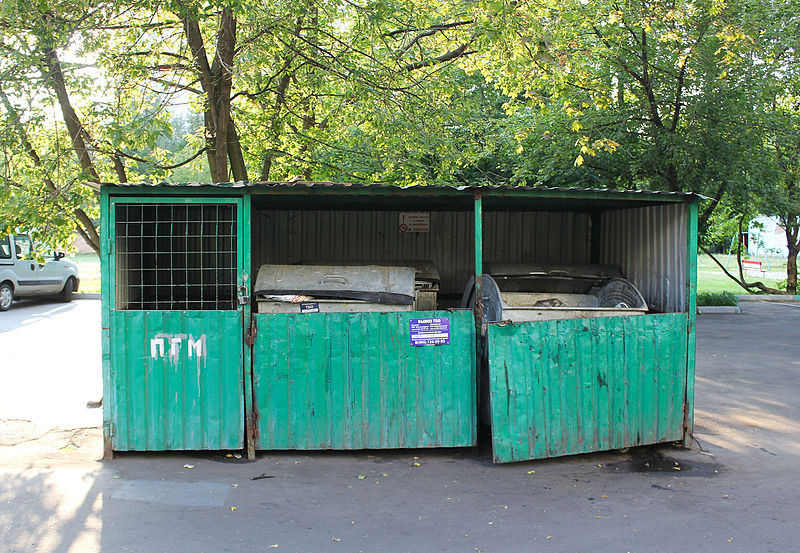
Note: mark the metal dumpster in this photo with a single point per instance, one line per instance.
(334, 289)
(201, 353)
(426, 279)
(525, 293)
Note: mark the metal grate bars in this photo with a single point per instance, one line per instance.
(175, 257)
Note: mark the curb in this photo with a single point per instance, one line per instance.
(86, 296)
(718, 309)
(767, 297)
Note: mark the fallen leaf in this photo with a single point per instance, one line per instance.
(362, 476)
(548, 537)
(531, 472)
(188, 466)
(416, 464)
(274, 545)
(228, 455)
(385, 475)
(233, 508)
(336, 539)
(604, 496)
(297, 462)
(116, 477)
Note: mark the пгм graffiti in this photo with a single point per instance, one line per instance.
(163, 344)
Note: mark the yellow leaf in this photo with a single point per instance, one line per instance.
(578, 161)
(576, 126)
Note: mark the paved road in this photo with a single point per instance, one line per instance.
(50, 363)
(739, 495)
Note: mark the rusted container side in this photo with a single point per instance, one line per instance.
(583, 385)
(176, 380)
(354, 381)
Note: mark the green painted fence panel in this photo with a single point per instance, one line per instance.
(583, 385)
(176, 380)
(354, 381)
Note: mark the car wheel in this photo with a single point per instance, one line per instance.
(6, 296)
(66, 293)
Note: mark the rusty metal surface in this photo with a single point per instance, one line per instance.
(582, 385)
(289, 236)
(354, 381)
(176, 380)
(650, 244)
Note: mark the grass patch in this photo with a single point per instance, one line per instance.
(716, 299)
(710, 277)
(88, 271)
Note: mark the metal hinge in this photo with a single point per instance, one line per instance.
(250, 336)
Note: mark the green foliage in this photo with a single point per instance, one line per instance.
(716, 299)
(660, 95)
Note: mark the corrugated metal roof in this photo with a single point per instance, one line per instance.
(345, 185)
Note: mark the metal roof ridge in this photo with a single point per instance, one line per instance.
(347, 185)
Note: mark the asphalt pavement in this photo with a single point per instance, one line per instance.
(735, 491)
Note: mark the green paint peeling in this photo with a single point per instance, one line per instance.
(582, 385)
(354, 381)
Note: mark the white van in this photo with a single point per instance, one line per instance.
(21, 275)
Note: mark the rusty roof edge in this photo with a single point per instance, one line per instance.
(345, 185)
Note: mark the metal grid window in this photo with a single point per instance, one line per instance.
(175, 257)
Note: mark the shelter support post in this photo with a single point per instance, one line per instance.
(691, 301)
(480, 326)
(106, 295)
(249, 329)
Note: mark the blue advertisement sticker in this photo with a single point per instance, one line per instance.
(430, 332)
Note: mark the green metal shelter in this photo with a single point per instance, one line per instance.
(189, 362)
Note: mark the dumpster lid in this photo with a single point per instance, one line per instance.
(566, 279)
(599, 272)
(380, 284)
(423, 270)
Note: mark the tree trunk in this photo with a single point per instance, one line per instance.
(78, 135)
(221, 71)
(792, 235)
(216, 79)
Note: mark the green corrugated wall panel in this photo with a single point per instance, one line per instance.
(176, 401)
(353, 381)
(583, 385)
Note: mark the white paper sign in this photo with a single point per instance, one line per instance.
(415, 221)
